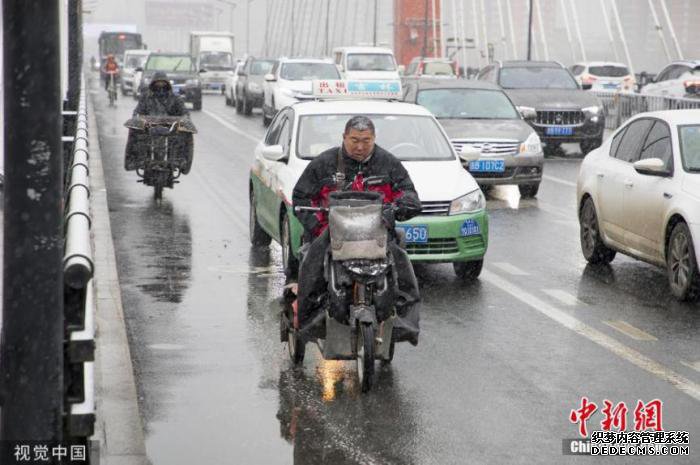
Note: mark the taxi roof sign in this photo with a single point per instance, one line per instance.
(342, 89)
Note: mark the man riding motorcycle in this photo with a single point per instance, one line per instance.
(159, 100)
(358, 164)
(110, 68)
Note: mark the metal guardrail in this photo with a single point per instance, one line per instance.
(78, 268)
(620, 106)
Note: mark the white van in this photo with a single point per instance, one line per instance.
(363, 63)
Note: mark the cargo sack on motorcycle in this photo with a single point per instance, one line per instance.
(356, 228)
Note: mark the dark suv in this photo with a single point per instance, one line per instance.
(180, 71)
(559, 110)
(249, 87)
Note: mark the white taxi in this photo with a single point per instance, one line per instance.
(453, 225)
(639, 194)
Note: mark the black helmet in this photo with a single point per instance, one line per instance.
(159, 77)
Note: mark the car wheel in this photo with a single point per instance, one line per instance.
(197, 105)
(289, 261)
(227, 99)
(468, 271)
(258, 237)
(590, 144)
(265, 119)
(682, 265)
(594, 249)
(528, 190)
(247, 106)
(239, 105)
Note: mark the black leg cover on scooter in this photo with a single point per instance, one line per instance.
(407, 322)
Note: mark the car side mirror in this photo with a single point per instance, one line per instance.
(469, 153)
(528, 113)
(269, 77)
(241, 72)
(651, 167)
(273, 153)
(586, 86)
(139, 70)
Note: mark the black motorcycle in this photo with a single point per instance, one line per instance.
(358, 314)
(160, 149)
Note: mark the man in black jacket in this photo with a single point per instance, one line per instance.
(159, 100)
(358, 164)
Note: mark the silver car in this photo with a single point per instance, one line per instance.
(483, 123)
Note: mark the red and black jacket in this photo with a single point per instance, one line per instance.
(388, 176)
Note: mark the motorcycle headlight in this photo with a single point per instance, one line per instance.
(532, 145)
(472, 202)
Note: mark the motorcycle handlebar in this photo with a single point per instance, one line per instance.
(310, 209)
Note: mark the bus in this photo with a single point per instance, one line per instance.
(115, 43)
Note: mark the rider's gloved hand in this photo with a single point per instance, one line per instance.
(388, 217)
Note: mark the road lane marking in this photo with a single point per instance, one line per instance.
(226, 209)
(558, 180)
(694, 365)
(562, 296)
(511, 269)
(636, 358)
(231, 126)
(630, 331)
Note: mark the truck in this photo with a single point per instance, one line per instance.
(213, 54)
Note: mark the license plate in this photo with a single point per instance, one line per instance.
(559, 131)
(487, 166)
(415, 234)
(470, 228)
(610, 85)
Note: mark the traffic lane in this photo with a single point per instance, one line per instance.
(263, 327)
(628, 291)
(183, 274)
(310, 384)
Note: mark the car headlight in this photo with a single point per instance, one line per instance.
(254, 86)
(192, 82)
(591, 111)
(532, 145)
(472, 202)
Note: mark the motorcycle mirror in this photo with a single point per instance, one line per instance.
(273, 153)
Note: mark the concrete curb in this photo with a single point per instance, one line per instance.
(118, 428)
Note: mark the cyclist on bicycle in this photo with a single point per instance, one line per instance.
(110, 68)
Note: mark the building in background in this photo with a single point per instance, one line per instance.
(414, 34)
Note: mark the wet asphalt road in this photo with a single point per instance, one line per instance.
(500, 365)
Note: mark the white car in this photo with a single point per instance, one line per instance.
(453, 226)
(372, 63)
(230, 86)
(639, 194)
(670, 82)
(291, 80)
(604, 76)
(130, 77)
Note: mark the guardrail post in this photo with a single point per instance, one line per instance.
(32, 330)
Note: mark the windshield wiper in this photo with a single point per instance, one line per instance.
(177, 65)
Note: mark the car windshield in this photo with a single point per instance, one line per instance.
(408, 137)
(216, 60)
(169, 63)
(308, 71)
(609, 71)
(371, 62)
(438, 69)
(260, 67)
(135, 61)
(690, 147)
(467, 104)
(536, 77)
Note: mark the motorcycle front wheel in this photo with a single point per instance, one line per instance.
(158, 192)
(365, 356)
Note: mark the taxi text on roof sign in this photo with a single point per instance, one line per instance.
(357, 89)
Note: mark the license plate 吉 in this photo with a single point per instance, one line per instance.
(559, 131)
(487, 166)
(415, 234)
